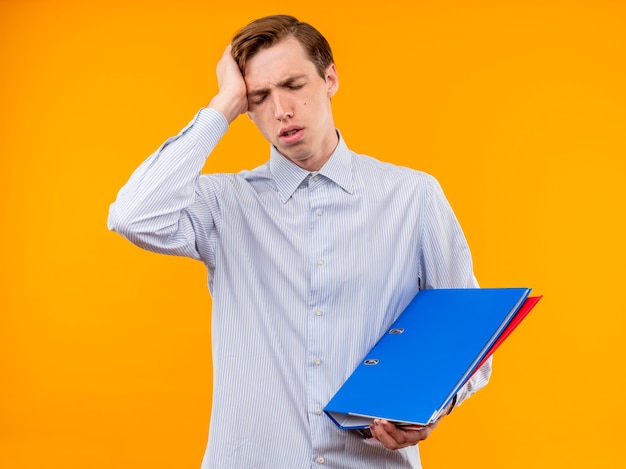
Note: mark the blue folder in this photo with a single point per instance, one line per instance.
(413, 372)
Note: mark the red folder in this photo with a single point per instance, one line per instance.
(518, 318)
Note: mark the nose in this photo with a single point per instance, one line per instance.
(281, 108)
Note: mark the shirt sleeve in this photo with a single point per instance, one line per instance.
(159, 208)
(447, 263)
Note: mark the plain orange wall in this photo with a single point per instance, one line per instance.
(517, 107)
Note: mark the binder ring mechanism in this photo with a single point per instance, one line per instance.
(375, 361)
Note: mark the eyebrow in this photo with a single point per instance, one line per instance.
(281, 84)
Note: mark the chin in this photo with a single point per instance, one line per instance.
(296, 156)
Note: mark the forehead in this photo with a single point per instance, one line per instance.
(274, 64)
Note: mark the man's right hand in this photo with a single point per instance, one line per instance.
(231, 99)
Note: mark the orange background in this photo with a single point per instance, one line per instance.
(517, 107)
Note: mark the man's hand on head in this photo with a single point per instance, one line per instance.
(231, 99)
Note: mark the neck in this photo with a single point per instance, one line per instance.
(315, 163)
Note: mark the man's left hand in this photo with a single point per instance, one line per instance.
(394, 437)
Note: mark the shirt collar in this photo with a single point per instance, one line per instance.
(288, 176)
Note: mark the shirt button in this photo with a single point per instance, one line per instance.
(318, 411)
(319, 212)
(317, 361)
(316, 177)
(320, 262)
(320, 460)
(318, 312)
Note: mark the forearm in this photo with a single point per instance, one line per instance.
(478, 381)
(148, 208)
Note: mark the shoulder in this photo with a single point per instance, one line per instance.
(374, 170)
(241, 182)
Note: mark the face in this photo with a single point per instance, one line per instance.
(290, 103)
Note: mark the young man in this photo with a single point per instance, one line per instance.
(310, 256)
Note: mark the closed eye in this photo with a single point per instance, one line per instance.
(259, 96)
(257, 99)
(293, 83)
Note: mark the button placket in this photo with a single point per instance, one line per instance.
(319, 249)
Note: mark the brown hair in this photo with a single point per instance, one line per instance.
(264, 32)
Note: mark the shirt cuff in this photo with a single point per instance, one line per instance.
(207, 128)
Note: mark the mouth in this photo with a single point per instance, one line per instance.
(289, 131)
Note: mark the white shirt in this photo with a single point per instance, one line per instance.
(306, 271)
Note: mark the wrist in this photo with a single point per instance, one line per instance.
(452, 404)
(230, 108)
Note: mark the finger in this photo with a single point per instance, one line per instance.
(389, 434)
(382, 435)
(394, 437)
(413, 437)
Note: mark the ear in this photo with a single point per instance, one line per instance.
(332, 80)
